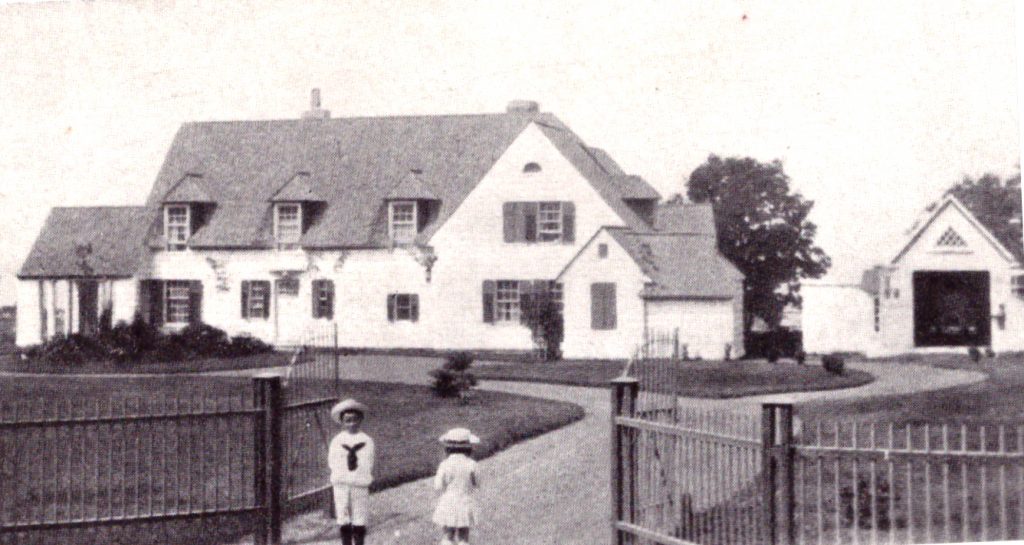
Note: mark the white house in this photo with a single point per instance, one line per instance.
(406, 232)
(950, 284)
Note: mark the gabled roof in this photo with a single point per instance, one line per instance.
(1015, 255)
(189, 189)
(355, 164)
(105, 241)
(680, 265)
(298, 189)
(685, 218)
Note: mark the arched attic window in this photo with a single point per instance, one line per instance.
(531, 168)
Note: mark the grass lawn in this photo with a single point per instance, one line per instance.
(999, 398)
(405, 422)
(710, 379)
(13, 363)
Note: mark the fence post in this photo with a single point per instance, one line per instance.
(623, 450)
(778, 472)
(269, 493)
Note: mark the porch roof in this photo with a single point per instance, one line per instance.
(102, 241)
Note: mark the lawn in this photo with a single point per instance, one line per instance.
(999, 398)
(14, 364)
(185, 462)
(708, 379)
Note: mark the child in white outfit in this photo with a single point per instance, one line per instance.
(457, 481)
(350, 458)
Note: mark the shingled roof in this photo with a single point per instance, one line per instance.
(354, 165)
(105, 241)
(685, 218)
(680, 265)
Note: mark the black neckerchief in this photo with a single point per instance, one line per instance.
(353, 460)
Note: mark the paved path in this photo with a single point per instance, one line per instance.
(554, 489)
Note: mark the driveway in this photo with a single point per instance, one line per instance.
(553, 489)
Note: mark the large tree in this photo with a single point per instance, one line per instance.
(995, 202)
(763, 229)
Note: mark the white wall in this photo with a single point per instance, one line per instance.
(28, 327)
(705, 327)
(55, 297)
(581, 340)
(837, 318)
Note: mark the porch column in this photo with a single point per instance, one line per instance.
(51, 320)
(71, 307)
(43, 318)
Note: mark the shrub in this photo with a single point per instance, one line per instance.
(801, 357)
(453, 379)
(244, 345)
(772, 355)
(205, 339)
(989, 353)
(867, 502)
(974, 354)
(544, 318)
(833, 363)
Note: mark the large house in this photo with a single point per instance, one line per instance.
(406, 232)
(950, 284)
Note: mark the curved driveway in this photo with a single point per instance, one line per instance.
(553, 489)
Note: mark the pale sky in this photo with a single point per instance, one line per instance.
(874, 108)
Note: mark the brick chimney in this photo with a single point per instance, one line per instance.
(523, 106)
(315, 111)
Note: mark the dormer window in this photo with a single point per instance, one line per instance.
(402, 221)
(177, 226)
(287, 225)
(531, 168)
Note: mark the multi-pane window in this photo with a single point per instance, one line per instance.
(255, 299)
(549, 222)
(403, 307)
(177, 308)
(176, 226)
(288, 225)
(506, 301)
(402, 221)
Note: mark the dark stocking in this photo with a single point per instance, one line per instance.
(346, 534)
(358, 535)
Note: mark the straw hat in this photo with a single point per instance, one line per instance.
(459, 436)
(346, 406)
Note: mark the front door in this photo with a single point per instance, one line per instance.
(88, 307)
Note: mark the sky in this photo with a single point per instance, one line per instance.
(874, 108)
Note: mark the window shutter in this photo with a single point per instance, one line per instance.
(508, 214)
(530, 221)
(568, 222)
(609, 307)
(527, 299)
(316, 288)
(329, 289)
(195, 302)
(414, 302)
(155, 293)
(266, 300)
(391, 307)
(195, 218)
(596, 307)
(245, 298)
(489, 289)
(422, 215)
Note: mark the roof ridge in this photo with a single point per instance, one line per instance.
(524, 115)
(98, 207)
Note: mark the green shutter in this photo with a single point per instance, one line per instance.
(329, 288)
(602, 305)
(195, 302)
(489, 289)
(155, 294)
(596, 307)
(508, 215)
(414, 303)
(245, 298)
(391, 307)
(530, 210)
(267, 298)
(610, 307)
(316, 287)
(568, 222)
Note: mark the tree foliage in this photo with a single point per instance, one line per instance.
(762, 229)
(995, 202)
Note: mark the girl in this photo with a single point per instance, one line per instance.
(350, 457)
(457, 481)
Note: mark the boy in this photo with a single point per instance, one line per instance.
(350, 458)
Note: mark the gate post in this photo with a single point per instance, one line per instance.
(623, 451)
(269, 398)
(778, 458)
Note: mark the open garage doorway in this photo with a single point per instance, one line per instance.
(951, 308)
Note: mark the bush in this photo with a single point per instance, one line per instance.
(867, 503)
(801, 357)
(974, 354)
(833, 363)
(453, 379)
(772, 355)
(989, 353)
(543, 315)
(140, 341)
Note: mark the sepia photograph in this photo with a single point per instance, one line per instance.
(519, 273)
